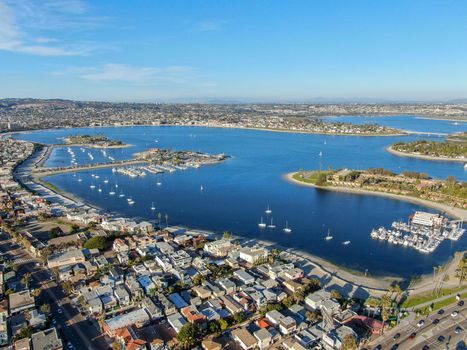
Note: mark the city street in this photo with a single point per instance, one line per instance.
(75, 330)
(435, 325)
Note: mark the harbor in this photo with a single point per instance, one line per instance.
(423, 232)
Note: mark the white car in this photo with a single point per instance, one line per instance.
(454, 313)
(420, 323)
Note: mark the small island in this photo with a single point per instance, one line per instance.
(453, 149)
(160, 160)
(96, 141)
(447, 195)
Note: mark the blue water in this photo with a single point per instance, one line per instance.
(410, 123)
(237, 191)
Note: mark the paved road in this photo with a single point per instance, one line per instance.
(71, 325)
(428, 333)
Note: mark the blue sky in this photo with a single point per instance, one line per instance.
(262, 50)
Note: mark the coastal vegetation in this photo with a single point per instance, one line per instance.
(447, 149)
(93, 141)
(458, 137)
(412, 184)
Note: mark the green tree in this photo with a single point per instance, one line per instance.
(288, 301)
(45, 308)
(116, 345)
(223, 324)
(312, 316)
(214, 327)
(96, 242)
(239, 317)
(55, 232)
(67, 286)
(349, 343)
(25, 332)
(335, 294)
(188, 335)
(26, 279)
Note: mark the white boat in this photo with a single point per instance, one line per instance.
(268, 210)
(287, 229)
(346, 242)
(96, 176)
(106, 181)
(328, 236)
(271, 225)
(152, 206)
(92, 186)
(112, 192)
(262, 224)
(320, 154)
(465, 166)
(158, 183)
(80, 179)
(100, 189)
(131, 202)
(121, 195)
(202, 188)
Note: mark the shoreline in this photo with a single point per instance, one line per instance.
(88, 145)
(422, 156)
(458, 213)
(290, 131)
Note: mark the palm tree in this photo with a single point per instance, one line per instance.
(26, 279)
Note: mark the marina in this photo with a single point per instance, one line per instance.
(423, 232)
(238, 191)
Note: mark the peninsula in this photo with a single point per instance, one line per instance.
(95, 141)
(455, 151)
(448, 195)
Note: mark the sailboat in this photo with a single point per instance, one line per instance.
(346, 242)
(287, 229)
(121, 195)
(320, 153)
(202, 188)
(112, 192)
(106, 181)
(152, 206)
(262, 224)
(328, 237)
(80, 179)
(268, 210)
(271, 225)
(465, 166)
(92, 186)
(100, 189)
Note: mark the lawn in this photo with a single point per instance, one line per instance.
(428, 296)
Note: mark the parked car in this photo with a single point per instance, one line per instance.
(396, 336)
(420, 323)
(413, 335)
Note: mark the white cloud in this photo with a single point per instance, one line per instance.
(23, 22)
(133, 74)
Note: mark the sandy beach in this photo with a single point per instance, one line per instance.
(451, 211)
(421, 156)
